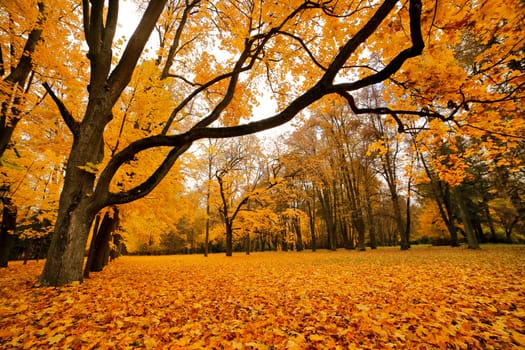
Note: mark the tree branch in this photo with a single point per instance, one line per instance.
(323, 87)
(259, 41)
(20, 73)
(176, 40)
(121, 75)
(72, 124)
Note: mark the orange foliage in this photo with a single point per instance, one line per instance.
(426, 297)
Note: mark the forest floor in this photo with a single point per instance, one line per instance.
(425, 298)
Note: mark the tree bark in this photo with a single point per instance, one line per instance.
(311, 208)
(101, 248)
(229, 238)
(91, 254)
(7, 230)
(296, 225)
(465, 218)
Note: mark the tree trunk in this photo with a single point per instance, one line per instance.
(248, 243)
(465, 218)
(7, 231)
(91, 254)
(76, 213)
(118, 247)
(207, 232)
(408, 219)
(66, 254)
(327, 210)
(17, 79)
(311, 222)
(370, 222)
(343, 228)
(78, 204)
(101, 248)
(229, 238)
(399, 221)
(296, 224)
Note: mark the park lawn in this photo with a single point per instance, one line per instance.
(425, 298)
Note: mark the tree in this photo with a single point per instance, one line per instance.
(103, 233)
(390, 153)
(15, 84)
(257, 44)
(241, 176)
(26, 31)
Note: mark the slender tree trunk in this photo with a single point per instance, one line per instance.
(311, 222)
(102, 239)
(370, 222)
(229, 237)
(91, 254)
(490, 222)
(207, 232)
(17, 79)
(465, 218)
(117, 247)
(327, 209)
(296, 224)
(508, 230)
(7, 230)
(248, 243)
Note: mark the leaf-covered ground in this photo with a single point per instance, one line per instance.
(426, 298)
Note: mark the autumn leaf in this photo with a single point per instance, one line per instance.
(325, 300)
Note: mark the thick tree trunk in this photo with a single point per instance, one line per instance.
(76, 213)
(66, 254)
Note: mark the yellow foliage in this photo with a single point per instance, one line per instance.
(326, 300)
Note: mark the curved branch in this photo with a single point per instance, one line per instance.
(323, 87)
(364, 33)
(260, 42)
(394, 113)
(396, 63)
(305, 47)
(144, 188)
(176, 41)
